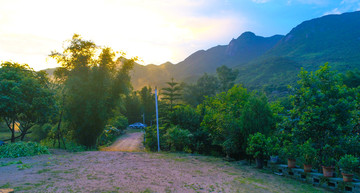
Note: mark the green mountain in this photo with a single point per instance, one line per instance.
(332, 38)
(269, 63)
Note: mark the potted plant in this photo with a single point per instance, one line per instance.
(347, 164)
(308, 155)
(328, 161)
(290, 151)
(273, 149)
(257, 147)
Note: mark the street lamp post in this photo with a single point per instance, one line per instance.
(157, 119)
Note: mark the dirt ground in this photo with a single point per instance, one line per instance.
(112, 171)
(130, 142)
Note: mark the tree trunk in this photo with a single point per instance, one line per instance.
(13, 132)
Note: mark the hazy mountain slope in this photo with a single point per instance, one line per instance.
(151, 75)
(332, 38)
(239, 51)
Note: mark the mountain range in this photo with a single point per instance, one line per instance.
(269, 63)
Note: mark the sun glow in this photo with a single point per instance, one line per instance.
(157, 32)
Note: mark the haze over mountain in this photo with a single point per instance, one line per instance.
(268, 62)
(274, 61)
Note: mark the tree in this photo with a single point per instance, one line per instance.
(207, 85)
(133, 107)
(226, 77)
(94, 86)
(352, 78)
(230, 117)
(323, 109)
(148, 104)
(25, 97)
(171, 94)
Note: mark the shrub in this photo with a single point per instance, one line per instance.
(257, 146)
(151, 138)
(108, 136)
(348, 163)
(274, 146)
(22, 149)
(119, 122)
(308, 153)
(178, 139)
(289, 150)
(40, 132)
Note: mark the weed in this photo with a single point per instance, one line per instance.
(24, 166)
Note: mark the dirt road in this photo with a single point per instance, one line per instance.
(101, 171)
(130, 142)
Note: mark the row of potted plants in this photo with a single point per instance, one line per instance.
(261, 147)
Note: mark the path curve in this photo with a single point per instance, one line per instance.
(131, 142)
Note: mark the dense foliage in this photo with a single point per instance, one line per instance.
(94, 85)
(22, 149)
(25, 98)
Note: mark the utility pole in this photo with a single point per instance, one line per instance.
(157, 119)
(144, 118)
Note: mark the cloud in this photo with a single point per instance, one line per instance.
(345, 6)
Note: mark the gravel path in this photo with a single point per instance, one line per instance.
(131, 142)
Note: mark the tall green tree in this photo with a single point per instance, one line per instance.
(171, 94)
(226, 77)
(133, 107)
(148, 104)
(94, 86)
(323, 110)
(24, 97)
(206, 86)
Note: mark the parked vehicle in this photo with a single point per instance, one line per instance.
(137, 126)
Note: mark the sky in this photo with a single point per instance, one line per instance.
(156, 31)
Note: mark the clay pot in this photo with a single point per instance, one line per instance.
(307, 168)
(291, 163)
(347, 177)
(328, 171)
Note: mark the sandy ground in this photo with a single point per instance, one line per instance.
(114, 171)
(131, 142)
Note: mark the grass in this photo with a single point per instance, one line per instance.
(6, 135)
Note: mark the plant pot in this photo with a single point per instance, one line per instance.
(347, 177)
(291, 163)
(259, 163)
(328, 171)
(307, 168)
(274, 159)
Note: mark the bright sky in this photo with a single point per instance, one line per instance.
(155, 30)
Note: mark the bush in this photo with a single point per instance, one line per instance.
(119, 122)
(178, 139)
(257, 146)
(151, 138)
(40, 132)
(108, 136)
(348, 163)
(308, 153)
(186, 117)
(22, 149)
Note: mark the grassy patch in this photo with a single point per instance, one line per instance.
(10, 163)
(7, 185)
(24, 166)
(43, 171)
